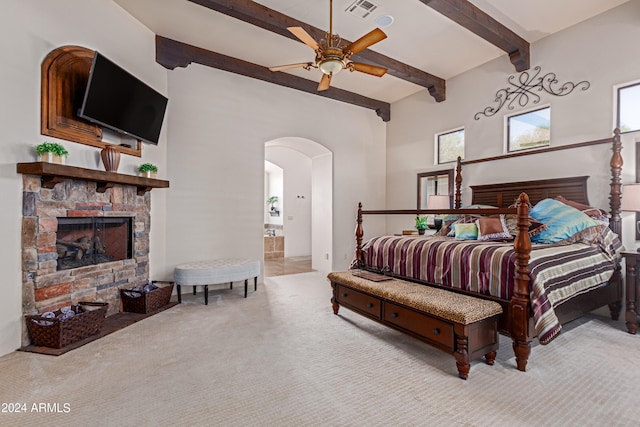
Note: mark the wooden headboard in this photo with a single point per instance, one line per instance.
(505, 194)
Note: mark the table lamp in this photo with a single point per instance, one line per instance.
(438, 201)
(631, 201)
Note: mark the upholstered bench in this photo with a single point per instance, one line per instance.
(464, 326)
(215, 271)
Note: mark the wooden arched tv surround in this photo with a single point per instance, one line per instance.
(65, 72)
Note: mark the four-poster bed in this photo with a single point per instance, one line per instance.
(524, 314)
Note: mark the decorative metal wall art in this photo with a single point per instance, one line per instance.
(524, 90)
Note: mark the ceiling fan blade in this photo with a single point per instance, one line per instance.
(325, 82)
(289, 66)
(304, 37)
(374, 70)
(365, 41)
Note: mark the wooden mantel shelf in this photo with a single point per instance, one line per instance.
(53, 173)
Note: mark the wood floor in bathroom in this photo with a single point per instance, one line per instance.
(285, 266)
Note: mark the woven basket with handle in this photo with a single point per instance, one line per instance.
(56, 333)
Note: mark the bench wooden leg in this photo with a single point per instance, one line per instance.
(490, 358)
(255, 283)
(194, 289)
(230, 285)
(206, 294)
(179, 294)
(334, 302)
(246, 281)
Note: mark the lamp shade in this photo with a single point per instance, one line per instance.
(438, 201)
(631, 198)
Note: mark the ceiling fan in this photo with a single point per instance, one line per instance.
(330, 57)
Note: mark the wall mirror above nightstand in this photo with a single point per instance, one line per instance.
(431, 183)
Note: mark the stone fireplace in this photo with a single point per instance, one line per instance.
(82, 242)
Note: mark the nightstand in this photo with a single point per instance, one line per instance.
(427, 232)
(632, 285)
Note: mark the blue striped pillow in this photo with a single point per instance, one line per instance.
(562, 221)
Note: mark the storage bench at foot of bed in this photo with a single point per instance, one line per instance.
(464, 326)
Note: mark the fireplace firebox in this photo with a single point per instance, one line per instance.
(83, 241)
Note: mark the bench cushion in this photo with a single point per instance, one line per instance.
(216, 271)
(449, 305)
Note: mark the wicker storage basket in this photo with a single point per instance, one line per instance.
(138, 301)
(56, 333)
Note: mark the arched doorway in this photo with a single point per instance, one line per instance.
(305, 206)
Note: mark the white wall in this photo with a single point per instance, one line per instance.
(322, 219)
(29, 30)
(601, 51)
(220, 123)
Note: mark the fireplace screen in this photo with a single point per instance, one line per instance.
(93, 240)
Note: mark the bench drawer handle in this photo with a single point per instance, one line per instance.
(370, 305)
(394, 315)
(436, 331)
(344, 294)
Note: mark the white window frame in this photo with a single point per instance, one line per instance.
(616, 104)
(520, 113)
(436, 154)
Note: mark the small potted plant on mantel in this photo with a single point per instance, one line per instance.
(148, 170)
(52, 152)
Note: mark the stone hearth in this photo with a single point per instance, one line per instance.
(44, 287)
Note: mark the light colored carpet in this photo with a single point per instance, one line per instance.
(281, 358)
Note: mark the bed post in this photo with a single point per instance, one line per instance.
(615, 197)
(458, 199)
(615, 223)
(520, 304)
(359, 256)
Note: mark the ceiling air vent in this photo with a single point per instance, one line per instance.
(361, 8)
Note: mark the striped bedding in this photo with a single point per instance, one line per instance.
(558, 272)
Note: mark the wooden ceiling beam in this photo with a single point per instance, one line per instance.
(274, 21)
(481, 24)
(171, 54)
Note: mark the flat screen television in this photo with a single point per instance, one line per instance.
(116, 99)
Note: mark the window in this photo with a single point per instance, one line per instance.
(529, 130)
(450, 145)
(628, 119)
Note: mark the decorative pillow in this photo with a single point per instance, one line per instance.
(535, 227)
(464, 219)
(450, 218)
(589, 236)
(466, 231)
(492, 228)
(562, 221)
(446, 228)
(595, 213)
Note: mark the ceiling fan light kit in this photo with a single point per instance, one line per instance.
(331, 58)
(331, 64)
